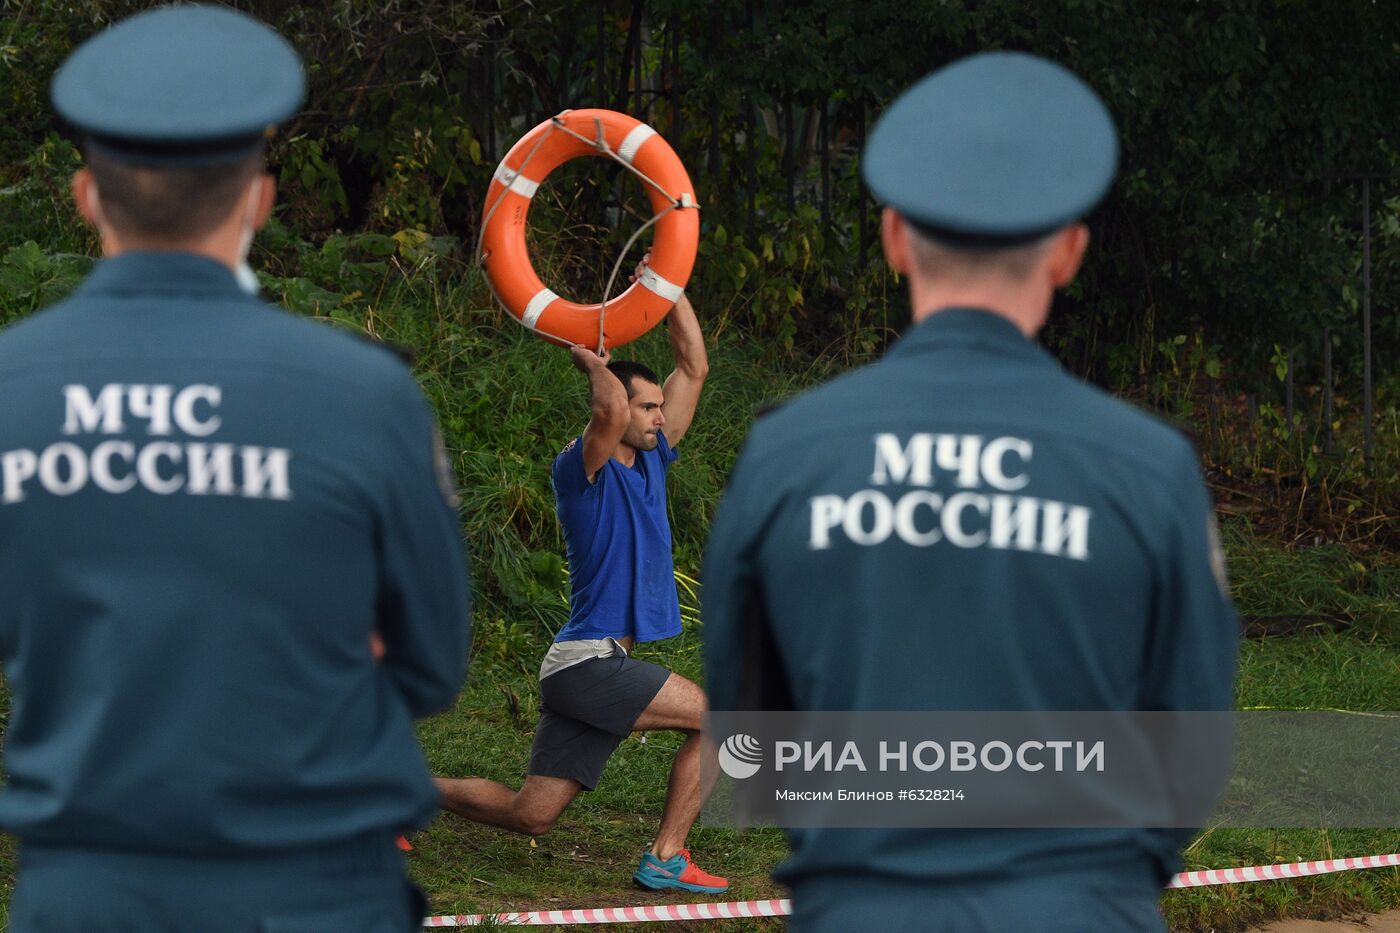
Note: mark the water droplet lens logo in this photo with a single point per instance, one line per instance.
(741, 756)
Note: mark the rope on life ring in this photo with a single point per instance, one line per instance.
(505, 257)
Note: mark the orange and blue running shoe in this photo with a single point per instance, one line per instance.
(678, 871)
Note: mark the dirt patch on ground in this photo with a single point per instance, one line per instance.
(1388, 922)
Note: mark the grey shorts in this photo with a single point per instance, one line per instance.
(586, 712)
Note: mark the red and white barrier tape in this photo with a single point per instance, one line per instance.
(1199, 879)
(722, 910)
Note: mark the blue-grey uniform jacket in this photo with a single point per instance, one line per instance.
(963, 526)
(207, 505)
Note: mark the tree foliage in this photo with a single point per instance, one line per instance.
(1246, 125)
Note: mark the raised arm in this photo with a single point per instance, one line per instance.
(610, 416)
(682, 388)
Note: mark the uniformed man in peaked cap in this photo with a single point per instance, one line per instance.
(963, 526)
(213, 516)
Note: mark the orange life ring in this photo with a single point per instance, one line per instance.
(507, 261)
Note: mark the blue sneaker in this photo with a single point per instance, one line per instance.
(678, 871)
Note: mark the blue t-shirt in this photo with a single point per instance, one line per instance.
(621, 579)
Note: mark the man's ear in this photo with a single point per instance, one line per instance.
(267, 196)
(1067, 253)
(84, 188)
(894, 237)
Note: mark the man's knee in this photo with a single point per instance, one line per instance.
(535, 824)
(539, 804)
(701, 701)
(535, 817)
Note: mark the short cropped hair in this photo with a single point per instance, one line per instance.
(937, 259)
(172, 203)
(628, 370)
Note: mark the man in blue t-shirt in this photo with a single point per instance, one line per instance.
(610, 487)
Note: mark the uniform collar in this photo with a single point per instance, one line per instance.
(163, 273)
(968, 327)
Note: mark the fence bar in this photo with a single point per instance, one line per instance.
(1327, 390)
(1366, 322)
(860, 198)
(600, 75)
(1288, 393)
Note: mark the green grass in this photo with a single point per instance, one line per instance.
(1361, 588)
(1356, 669)
(1318, 672)
(1230, 908)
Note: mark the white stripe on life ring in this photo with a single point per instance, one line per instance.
(543, 298)
(655, 283)
(633, 141)
(515, 181)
